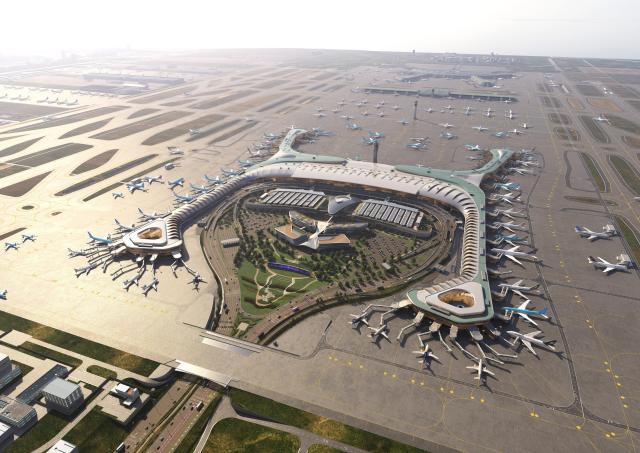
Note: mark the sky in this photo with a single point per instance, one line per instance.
(580, 28)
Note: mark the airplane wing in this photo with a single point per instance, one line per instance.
(384, 334)
(524, 304)
(527, 344)
(519, 293)
(515, 260)
(593, 237)
(489, 372)
(603, 261)
(608, 269)
(518, 283)
(528, 319)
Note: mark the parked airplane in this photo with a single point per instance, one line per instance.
(601, 119)
(152, 285)
(425, 355)
(246, 163)
(516, 132)
(214, 180)
(175, 151)
(448, 135)
(446, 125)
(152, 216)
(198, 189)
(417, 146)
(513, 227)
(525, 126)
(28, 237)
(378, 332)
(530, 339)
(607, 232)
(125, 228)
(117, 195)
(136, 185)
(506, 198)
(151, 179)
(319, 115)
(232, 172)
(509, 238)
(507, 186)
(193, 132)
(481, 368)
(376, 135)
(3, 295)
(513, 254)
(369, 140)
(359, 319)
(10, 245)
(183, 198)
(176, 182)
(84, 270)
(524, 312)
(428, 110)
(473, 147)
(511, 213)
(480, 128)
(509, 115)
(403, 122)
(396, 107)
(102, 241)
(623, 264)
(522, 171)
(467, 111)
(475, 157)
(501, 134)
(353, 126)
(518, 288)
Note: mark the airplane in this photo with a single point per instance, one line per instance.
(467, 111)
(153, 216)
(44, 99)
(102, 241)
(198, 189)
(365, 113)
(28, 237)
(196, 280)
(232, 172)
(419, 139)
(319, 115)
(473, 147)
(376, 135)
(525, 126)
(183, 198)
(513, 254)
(321, 132)
(501, 134)
(445, 125)
(480, 368)
(152, 285)
(136, 185)
(403, 122)
(448, 135)
(346, 117)
(246, 163)
(509, 237)
(507, 186)
(319, 109)
(607, 267)
(428, 110)
(524, 312)
(509, 115)
(353, 126)
(417, 146)
(488, 113)
(516, 132)
(475, 157)
(506, 198)
(601, 119)
(480, 128)
(84, 270)
(10, 245)
(607, 232)
(396, 107)
(518, 288)
(449, 107)
(214, 180)
(530, 339)
(425, 355)
(74, 102)
(507, 101)
(522, 171)
(125, 228)
(506, 212)
(151, 179)
(117, 195)
(380, 331)
(175, 151)
(3, 295)
(193, 132)
(176, 182)
(359, 319)
(369, 140)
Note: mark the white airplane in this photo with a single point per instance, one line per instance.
(513, 254)
(522, 171)
(516, 132)
(425, 355)
(353, 126)
(525, 126)
(509, 115)
(530, 339)
(378, 332)
(153, 216)
(518, 288)
(428, 110)
(480, 368)
(125, 228)
(29, 237)
(467, 111)
(449, 107)
(10, 245)
(84, 270)
(365, 113)
(175, 151)
(403, 122)
(506, 198)
(117, 195)
(445, 125)
(359, 319)
(183, 198)
(381, 114)
(607, 267)
(417, 145)
(513, 227)
(193, 132)
(171, 166)
(152, 285)
(480, 128)
(176, 182)
(198, 189)
(488, 113)
(470, 147)
(215, 180)
(151, 179)
(448, 135)
(511, 213)
(507, 101)
(319, 115)
(607, 232)
(524, 312)
(601, 119)
(396, 107)
(136, 185)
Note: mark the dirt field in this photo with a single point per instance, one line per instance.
(550, 102)
(273, 105)
(139, 126)
(13, 149)
(16, 111)
(142, 112)
(271, 84)
(222, 100)
(69, 119)
(559, 118)
(594, 129)
(252, 103)
(625, 91)
(589, 90)
(567, 133)
(162, 95)
(624, 124)
(22, 187)
(214, 130)
(42, 157)
(604, 104)
(95, 162)
(236, 131)
(86, 128)
(575, 104)
(632, 142)
(169, 134)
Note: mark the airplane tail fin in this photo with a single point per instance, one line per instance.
(543, 312)
(591, 259)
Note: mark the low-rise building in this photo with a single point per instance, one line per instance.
(8, 371)
(6, 435)
(63, 396)
(62, 446)
(15, 413)
(128, 395)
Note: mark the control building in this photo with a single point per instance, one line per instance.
(63, 396)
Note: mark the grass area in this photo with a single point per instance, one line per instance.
(96, 432)
(44, 430)
(231, 435)
(624, 124)
(25, 369)
(189, 442)
(325, 427)
(592, 167)
(626, 172)
(103, 372)
(317, 448)
(594, 129)
(631, 142)
(41, 351)
(630, 236)
(590, 200)
(77, 344)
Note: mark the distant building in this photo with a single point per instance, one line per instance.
(63, 396)
(62, 446)
(8, 371)
(128, 395)
(15, 413)
(6, 433)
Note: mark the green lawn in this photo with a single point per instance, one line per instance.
(317, 448)
(77, 344)
(623, 124)
(594, 129)
(41, 351)
(102, 371)
(97, 432)
(238, 436)
(627, 173)
(592, 167)
(44, 430)
(630, 237)
(25, 369)
(325, 427)
(191, 439)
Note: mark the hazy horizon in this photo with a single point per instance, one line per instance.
(580, 29)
